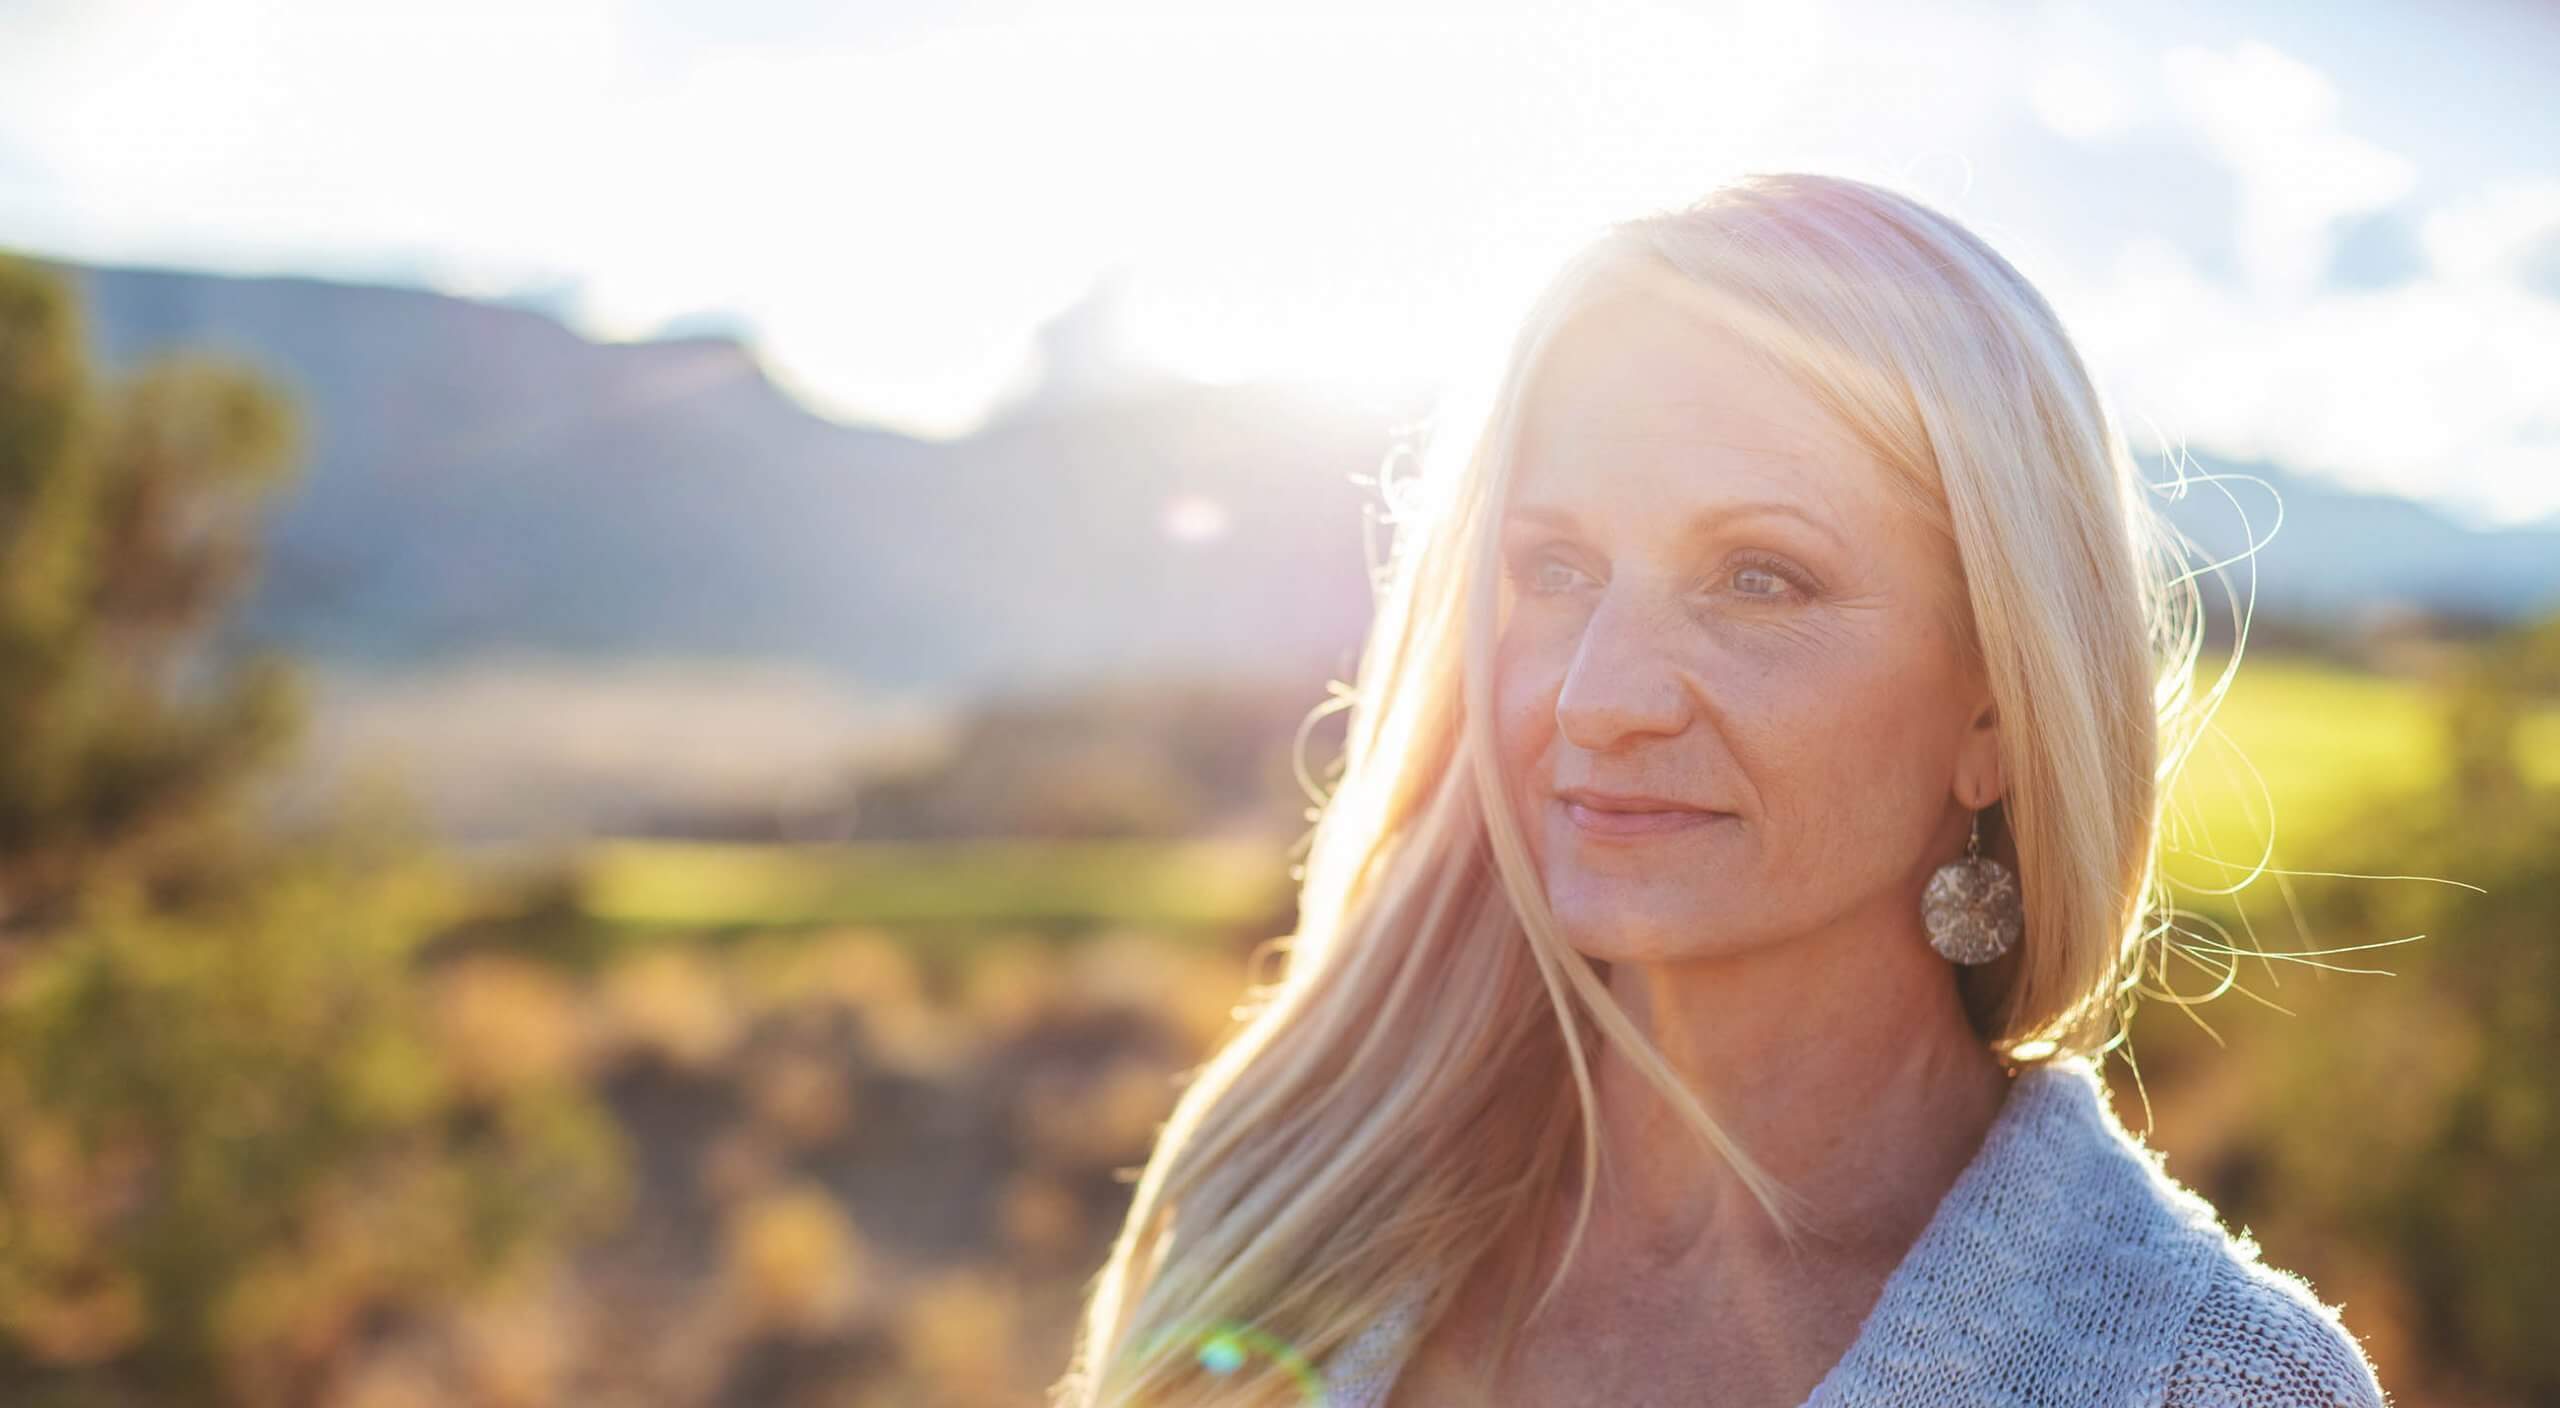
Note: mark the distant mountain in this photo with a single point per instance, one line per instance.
(2338, 553)
(482, 479)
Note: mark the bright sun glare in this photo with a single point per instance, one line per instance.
(1372, 208)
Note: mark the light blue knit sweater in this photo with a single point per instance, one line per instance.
(2064, 1267)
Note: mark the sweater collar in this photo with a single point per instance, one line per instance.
(2063, 1254)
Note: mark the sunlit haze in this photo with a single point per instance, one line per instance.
(2271, 229)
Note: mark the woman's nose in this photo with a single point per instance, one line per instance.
(1621, 680)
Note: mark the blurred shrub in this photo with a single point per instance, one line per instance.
(124, 514)
(1043, 1221)
(1193, 988)
(794, 1263)
(505, 1024)
(957, 1335)
(805, 1097)
(1011, 984)
(672, 1005)
(1078, 1120)
(235, 1133)
(858, 975)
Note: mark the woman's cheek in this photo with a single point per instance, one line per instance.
(1793, 712)
(1523, 691)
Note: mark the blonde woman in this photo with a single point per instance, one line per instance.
(1746, 846)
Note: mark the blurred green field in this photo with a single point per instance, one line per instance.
(1169, 884)
(2299, 744)
(2295, 742)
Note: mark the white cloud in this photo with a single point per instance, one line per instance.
(2487, 238)
(2082, 100)
(2083, 70)
(2432, 388)
(2273, 119)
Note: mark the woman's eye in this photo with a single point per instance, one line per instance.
(1541, 576)
(1551, 576)
(1766, 581)
(1760, 581)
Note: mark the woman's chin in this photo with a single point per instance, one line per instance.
(1627, 939)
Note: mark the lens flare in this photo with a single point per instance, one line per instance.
(1225, 1346)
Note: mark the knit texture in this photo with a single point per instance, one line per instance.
(2064, 1266)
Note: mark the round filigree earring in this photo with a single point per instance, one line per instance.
(1972, 908)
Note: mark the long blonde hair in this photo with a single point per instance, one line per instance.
(1411, 1089)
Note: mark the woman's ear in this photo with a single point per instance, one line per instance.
(1978, 778)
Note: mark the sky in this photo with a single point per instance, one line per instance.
(2325, 235)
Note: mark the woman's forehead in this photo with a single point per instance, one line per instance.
(1640, 399)
(1629, 370)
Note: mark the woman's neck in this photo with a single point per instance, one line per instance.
(1842, 1061)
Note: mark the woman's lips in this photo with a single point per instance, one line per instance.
(1606, 823)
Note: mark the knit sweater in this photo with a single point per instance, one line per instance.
(2064, 1266)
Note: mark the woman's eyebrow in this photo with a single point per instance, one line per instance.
(1700, 523)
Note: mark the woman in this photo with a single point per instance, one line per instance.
(1777, 678)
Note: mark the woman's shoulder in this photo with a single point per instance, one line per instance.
(2147, 1280)
(2262, 1338)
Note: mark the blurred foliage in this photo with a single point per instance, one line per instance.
(323, 1119)
(2379, 1104)
(234, 1128)
(2450, 1070)
(121, 511)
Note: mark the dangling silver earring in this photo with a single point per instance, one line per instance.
(1972, 908)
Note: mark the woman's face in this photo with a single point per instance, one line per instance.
(1714, 599)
